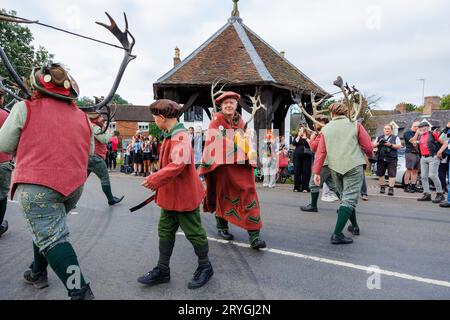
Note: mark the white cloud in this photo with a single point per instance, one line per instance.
(382, 46)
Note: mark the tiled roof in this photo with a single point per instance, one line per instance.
(133, 113)
(236, 53)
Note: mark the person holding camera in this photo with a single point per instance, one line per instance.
(388, 145)
(412, 157)
(303, 158)
(431, 150)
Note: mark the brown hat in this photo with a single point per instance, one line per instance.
(167, 108)
(54, 80)
(228, 95)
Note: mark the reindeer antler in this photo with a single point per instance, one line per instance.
(256, 105)
(214, 93)
(122, 36)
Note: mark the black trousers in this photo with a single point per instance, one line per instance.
(302, 170)
(443, 173)
(112, 159)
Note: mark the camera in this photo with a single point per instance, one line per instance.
(382, 142)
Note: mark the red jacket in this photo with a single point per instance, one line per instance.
(177, 183)
(4, 157)
(54, 146)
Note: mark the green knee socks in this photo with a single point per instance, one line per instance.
(107, 191)
(202, 254)
(39, 263)
(165, 252)
(343, 215)
(63, 260)
(221, 224)
(253, 235)
(353, 219)
(314, 199)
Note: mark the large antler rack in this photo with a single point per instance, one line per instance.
(297, 98)
(215, 93)
(353, 98)
(256, 106)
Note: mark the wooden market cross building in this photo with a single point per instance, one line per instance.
(239, 55)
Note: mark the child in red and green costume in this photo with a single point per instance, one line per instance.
(179, 193)
(231, 190)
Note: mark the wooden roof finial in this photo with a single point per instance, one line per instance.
(235, 12)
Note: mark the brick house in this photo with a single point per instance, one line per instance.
(402, 120)
(129, 119)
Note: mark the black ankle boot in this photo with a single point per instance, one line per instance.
(309, 208)
(382, 189)
(439, 198)
(226, 235)
(115, 200)
(3, 227)
(391, 191)
(340, 239)
(258, 244)
(354, 231)
(201, 276)
(84, 293)
(38, 280)
(425, 197)
(154, 277)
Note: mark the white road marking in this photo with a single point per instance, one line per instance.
(74, 212)
(12, 201)
(338, 263)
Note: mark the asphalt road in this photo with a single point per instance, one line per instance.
(407, 240)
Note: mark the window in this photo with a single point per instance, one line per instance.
(194, 114)
(112, 126)
(143, 126)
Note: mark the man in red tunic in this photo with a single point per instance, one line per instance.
(230, 183)
(5, 173)
(179, 193)
(49, 185)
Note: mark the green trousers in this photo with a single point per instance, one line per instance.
(190, 222)
(97, 165)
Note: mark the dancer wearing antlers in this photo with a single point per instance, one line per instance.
(231, 190)
(50, 186)
(5, 172)
(46, 198)
(179, 193)
(343, 139)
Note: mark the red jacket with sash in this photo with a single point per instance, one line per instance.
(4, 157)
(54, 146)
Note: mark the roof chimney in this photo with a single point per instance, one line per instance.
(432, 104)
(176, 58)
(401, 108)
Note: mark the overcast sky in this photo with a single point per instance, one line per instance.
(382, 46)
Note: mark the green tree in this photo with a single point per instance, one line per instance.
(16, 39)
(117, 99)
(445, 102)
(155, 131)
(85, 101)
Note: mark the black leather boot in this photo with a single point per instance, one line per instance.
(309, 208)
(201, 276)
(439, 198)
(340, 239)
(425, 197)
(226, 235)
(382, 189)
(38, 280)
(3, 227)
(154, 277)
(391, 191)
(84, 293)
(258, 244)
(354, 231)
(115, 200)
